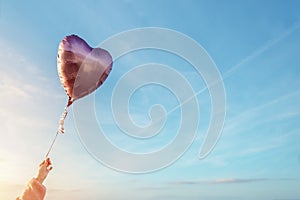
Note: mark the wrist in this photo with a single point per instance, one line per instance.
(39, 179)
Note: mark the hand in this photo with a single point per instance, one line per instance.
(44, 168)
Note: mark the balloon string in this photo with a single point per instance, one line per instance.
(57, 132)
(60, 128)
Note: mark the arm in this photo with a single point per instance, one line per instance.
(35, 190)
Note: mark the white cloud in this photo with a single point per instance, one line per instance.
(29, 109)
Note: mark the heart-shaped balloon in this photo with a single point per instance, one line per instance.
(81, 68)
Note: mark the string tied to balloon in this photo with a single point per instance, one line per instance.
(61, 128)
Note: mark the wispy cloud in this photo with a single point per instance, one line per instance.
(257, 111)
(261, 50)
(228, 181)
(257, 52)
(28, 101)
(152, 188)
(22, 91)
(217, 181)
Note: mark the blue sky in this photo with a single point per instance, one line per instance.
(255, 45)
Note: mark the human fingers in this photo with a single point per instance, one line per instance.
(49, 162)
(42, 163)
(50, 168)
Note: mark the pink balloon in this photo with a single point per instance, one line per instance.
(81, 68)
